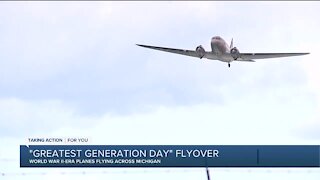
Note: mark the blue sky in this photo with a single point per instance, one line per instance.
(72, 69)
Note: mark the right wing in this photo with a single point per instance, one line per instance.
(251, 56)
(191, 53)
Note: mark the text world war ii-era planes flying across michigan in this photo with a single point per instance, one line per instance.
(221, 51)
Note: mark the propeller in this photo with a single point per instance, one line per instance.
(231, 44)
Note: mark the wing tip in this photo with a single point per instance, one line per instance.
(302, 54)
(141, 45)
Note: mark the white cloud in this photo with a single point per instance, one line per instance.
(182, 125)
(73, 57)
(22, 118)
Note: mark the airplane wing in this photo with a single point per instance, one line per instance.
(191, 53)
(251, 56)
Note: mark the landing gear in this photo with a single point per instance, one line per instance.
(229, 64)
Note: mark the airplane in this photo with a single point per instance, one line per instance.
(221, 51)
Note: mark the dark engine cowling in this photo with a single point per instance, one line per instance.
(235, 53)
(200, 51)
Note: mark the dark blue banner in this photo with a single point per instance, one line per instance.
(168, 156)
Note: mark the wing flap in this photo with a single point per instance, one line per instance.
(245, 60)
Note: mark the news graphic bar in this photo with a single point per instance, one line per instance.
(169, 156)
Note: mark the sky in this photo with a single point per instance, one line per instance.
(72, 69)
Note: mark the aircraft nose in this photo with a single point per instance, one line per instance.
(214, 40)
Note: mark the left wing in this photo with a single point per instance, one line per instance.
(251, 56)
(191, 53)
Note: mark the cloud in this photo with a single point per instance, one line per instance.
(22, 118)
(85, 55)
(78, 52)
(310, 127)
(205, 123)
(311, 130)
(84, 60)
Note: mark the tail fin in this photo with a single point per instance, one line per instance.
(231, 44)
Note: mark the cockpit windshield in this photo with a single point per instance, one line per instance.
(217, 37)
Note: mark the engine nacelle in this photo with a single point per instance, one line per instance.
(200, 51)
(235, 53)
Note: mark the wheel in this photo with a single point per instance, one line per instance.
(229, 64)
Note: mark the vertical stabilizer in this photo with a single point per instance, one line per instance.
(231, 44)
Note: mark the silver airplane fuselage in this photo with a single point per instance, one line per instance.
(219, 47)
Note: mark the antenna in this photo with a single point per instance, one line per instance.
(207, 170)
(208, 175)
